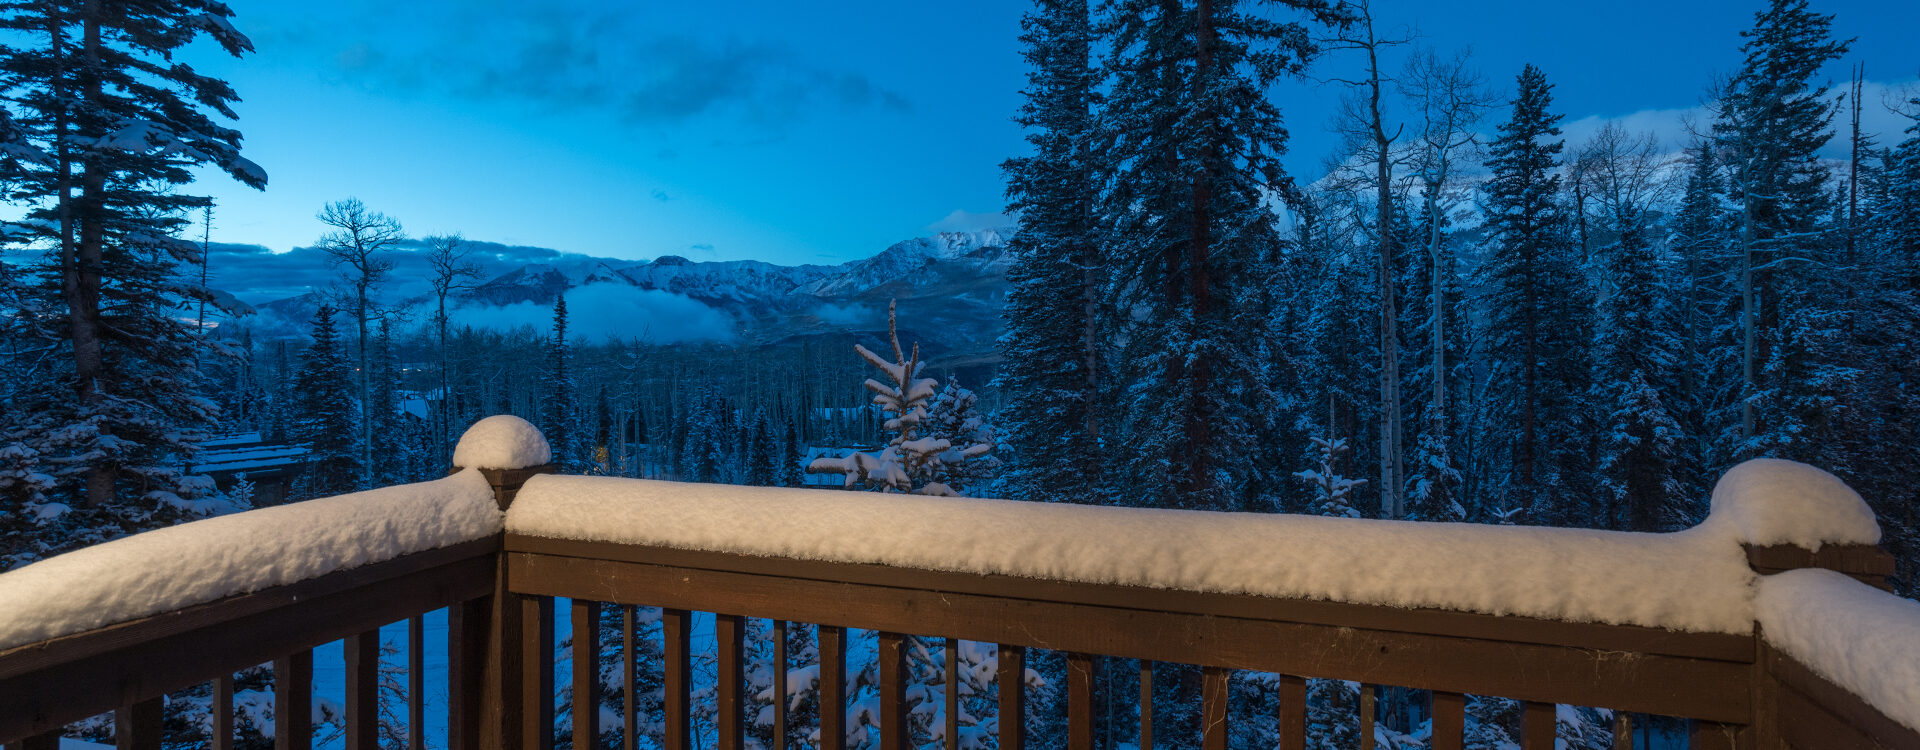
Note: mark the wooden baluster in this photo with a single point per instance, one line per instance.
(363, 690)
(629, 665)
(1013, 693)
(469, 626)
(43, 741)
(586, 674)
(1622, 731)
(293, 701)
(1293, 713)
(536, 686)
(137, 727)
(1213, 707)
(417, 682)
(893, 702)
(833, 687)
(1146, 705)
(221, 713)
(674, 627)
(952, 695)
(1369, 709)
(729, 638)
(1537, 726)
(1449, 720)
(1079, 702)
(779, 685)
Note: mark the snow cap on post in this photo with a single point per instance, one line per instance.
(1770, 501)
(502, 442)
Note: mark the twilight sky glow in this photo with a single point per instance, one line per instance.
(801, 132)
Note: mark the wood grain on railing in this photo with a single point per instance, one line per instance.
(1079, 702)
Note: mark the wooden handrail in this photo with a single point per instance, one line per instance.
(1738, 690)
(45, 685)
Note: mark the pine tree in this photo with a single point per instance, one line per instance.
(1773, 121)
(323, 412)
(911, 461)
(557, 414)
(1194, 145)
(762, 458)
(104, 129)
(968, 462)
(790, 457)
(1706, 311)
(1333, 493)
(1055, 346)
(1535, 316)
(1636, 349)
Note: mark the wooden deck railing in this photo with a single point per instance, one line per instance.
(1735, 691)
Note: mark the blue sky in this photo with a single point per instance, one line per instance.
(798, 132)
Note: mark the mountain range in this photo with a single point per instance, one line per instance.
(950, 288)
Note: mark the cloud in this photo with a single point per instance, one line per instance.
(661, 195)
(601, 311)
(581, 54)
(1676, 128)
(967, 221)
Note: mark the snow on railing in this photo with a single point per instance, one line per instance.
(199, 562)
(1694, 580)
(1856, 636)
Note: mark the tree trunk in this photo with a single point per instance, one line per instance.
(85, 260)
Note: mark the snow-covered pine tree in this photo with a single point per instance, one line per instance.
(557, 413)
(1536, 313)
(762, 455)
(1635, 346)
(1773, 120)
(1055, 344)
(1193, 145)
(103, 128)
(791, 453)
(1333, 493)
(1706, 310)
(911, 460)
(323, 413)
(968, 463)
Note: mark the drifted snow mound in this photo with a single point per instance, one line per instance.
(1858, 637)
(1770, 501)
(502, 442)
(1694, 580)
(199, 562)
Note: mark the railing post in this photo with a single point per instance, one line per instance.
(493, 716)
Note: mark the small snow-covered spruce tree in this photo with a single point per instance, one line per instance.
(968, 463)
(1333, 493)
(911, 460)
